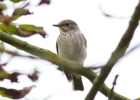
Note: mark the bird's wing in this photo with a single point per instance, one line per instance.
(67, 73)
(57, 47)
(85, 41)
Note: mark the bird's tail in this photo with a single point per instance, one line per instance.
(77, 83)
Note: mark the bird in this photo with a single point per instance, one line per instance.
(71, 44)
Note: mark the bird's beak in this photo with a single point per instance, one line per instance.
(56, 25)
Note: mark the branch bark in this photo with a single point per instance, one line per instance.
(15, 53)
(117, 54)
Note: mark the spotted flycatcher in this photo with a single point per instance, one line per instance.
(71, 44)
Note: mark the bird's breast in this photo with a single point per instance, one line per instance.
(71, 46)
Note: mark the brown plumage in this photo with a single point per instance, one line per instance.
(71, 44)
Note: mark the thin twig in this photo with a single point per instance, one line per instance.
(128, 52)
(132, 49)
(112, 89)
(94, 67)
(109, 15)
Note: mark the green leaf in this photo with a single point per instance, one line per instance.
(33, 29)
(2, 93)
(3, 6)
(15, 94)
(28, 27)
(10, 29)
(16, 1)
(24, 30)
(19, 12)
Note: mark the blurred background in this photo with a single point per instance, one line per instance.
(103, 22)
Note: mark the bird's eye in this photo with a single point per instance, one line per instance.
(67, 24)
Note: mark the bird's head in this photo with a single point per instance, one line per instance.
(67, 25)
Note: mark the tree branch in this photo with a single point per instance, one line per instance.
(15, 53)
(55, 59)
(112, 89)
(117, 54)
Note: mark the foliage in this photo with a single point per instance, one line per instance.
(23, 30)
